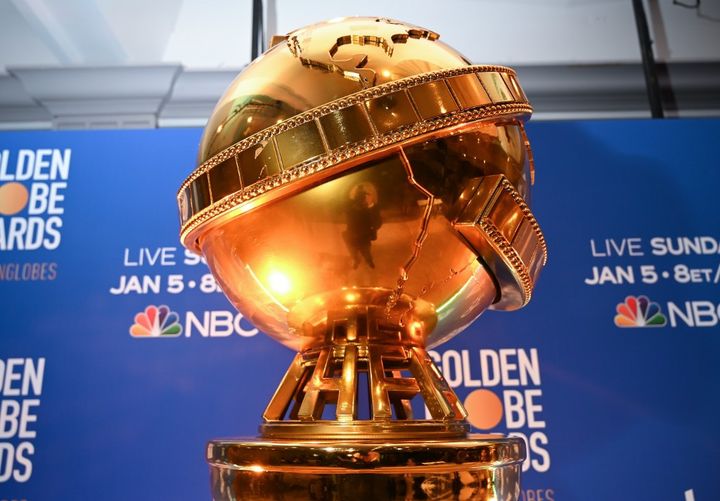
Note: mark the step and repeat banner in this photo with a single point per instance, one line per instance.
(120, 358)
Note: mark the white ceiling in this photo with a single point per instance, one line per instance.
(195, 33)
(75, 62)
(203, 34)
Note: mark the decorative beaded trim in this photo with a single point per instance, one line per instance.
(338, 104)
(520, 201)
(520, 244)
(340, 155)
(493, 233)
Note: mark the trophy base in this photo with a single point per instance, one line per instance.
(480, 467)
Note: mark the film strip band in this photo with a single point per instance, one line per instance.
(338, 131)
(498, 225)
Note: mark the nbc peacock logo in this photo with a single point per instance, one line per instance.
(157, 322)
(639, 311)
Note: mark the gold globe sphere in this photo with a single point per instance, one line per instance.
(362, 195)
(361, 162)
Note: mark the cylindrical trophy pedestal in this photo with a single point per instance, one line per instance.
(481, 467)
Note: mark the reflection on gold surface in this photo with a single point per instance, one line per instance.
(315, 66)
(480, 468)
(387, 225)
(358, 231)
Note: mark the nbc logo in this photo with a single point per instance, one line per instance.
(156, 321)
(639, 312)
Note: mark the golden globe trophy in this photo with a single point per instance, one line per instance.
(361, 196)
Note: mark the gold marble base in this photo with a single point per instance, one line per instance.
(481, 467)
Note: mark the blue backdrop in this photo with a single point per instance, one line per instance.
(617, 395)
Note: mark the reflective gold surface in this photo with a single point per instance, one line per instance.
(374, 228)
(329, 92)
(362, 194)
(361, 354)
(334, 133)
(319, 64)
(480, 468)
